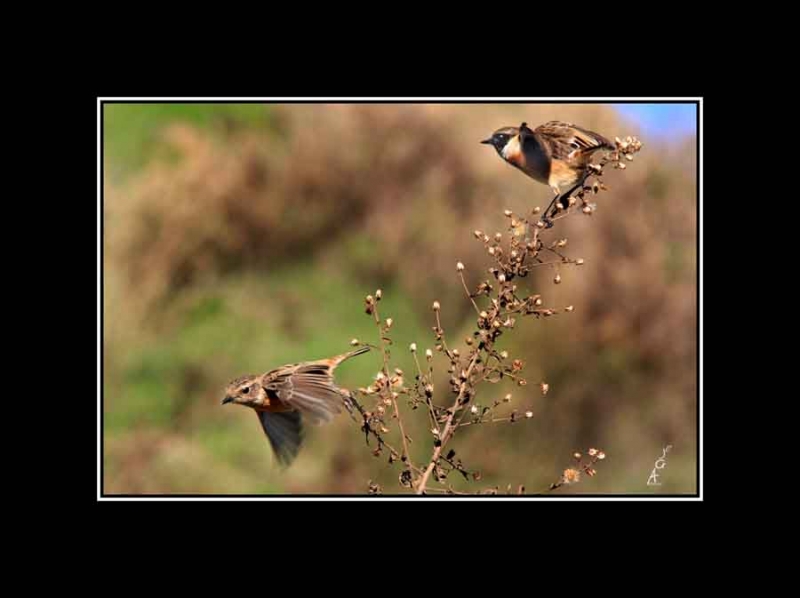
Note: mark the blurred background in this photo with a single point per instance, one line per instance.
(239, 237)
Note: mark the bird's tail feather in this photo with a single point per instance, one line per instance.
(339, 359)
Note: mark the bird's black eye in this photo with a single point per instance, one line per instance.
(246, 389)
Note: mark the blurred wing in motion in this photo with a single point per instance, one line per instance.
(285, 433)
(308, 388)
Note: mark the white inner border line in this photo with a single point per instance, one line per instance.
(321, 100)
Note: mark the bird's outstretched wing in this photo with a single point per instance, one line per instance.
(284, 431)
(307, 387)
(566, 140)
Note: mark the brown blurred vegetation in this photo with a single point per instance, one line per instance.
(237, 248)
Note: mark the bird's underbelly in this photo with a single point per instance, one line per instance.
(562, 175)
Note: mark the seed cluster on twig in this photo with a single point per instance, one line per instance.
(500, 301)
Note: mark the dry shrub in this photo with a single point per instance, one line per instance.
(634, 335)
(249, 201)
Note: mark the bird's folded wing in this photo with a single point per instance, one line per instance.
(566, 139)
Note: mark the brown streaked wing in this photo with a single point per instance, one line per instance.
(566, 138)
(308, 388)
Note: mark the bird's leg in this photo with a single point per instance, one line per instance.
(349, 402)
(546, 219)
(564, 198)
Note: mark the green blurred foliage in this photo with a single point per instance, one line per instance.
(131, 131)
(242, 237)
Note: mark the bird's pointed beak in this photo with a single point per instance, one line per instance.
(227, 400)
(487, 141)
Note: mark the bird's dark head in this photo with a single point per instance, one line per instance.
(245, 390)
(501, 138)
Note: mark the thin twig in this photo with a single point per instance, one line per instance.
(428, 400)
(469, 295)
(406, 457)
(448, 427)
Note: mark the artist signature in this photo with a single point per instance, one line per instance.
(660, 464)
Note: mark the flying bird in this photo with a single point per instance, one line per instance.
(555, 153)
(284, 397)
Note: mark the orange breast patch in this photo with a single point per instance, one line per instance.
(561, 174)
(512, 152)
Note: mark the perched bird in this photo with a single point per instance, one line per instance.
(284, 397)
(555, 153)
